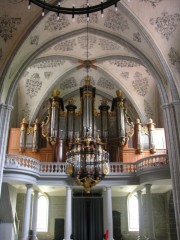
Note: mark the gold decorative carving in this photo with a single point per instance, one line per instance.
(96, 113)
(44, 125)
(119, 93)
(56, 93)
(71, 101)
(112, 114)
(69, 169)
(63, 113)
(30, 130)
(87, 183)
(105, 168)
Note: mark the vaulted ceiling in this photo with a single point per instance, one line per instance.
(135, 49)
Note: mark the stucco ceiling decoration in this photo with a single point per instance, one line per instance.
(87, 64)
(67, 56)
(116, 44)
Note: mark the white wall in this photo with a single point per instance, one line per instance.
(7, 231)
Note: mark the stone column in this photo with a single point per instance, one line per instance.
(5, 111)
(104, 212)
(172, 127)
(141, 216)
(109, 213)
(34, 215)
(150, 225)
(68, 215)
(27, 210)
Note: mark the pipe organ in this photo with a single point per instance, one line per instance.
(87, 140)
(63, 126)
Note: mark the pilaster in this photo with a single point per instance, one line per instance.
(172, 128)
(150, 224)
(141, 216)
(5, 111)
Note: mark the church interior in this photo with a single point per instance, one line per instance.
(89, 120)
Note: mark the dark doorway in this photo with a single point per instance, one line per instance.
(117, 225)
(87, 218)
(59, 229)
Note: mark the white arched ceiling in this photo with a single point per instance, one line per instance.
(124, 54)
(61, 66)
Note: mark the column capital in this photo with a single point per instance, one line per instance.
(6, 106)
(171, 104)
(108, 187)
(28, 186)
(139, 192)
(176, 102)
(148, 186)
(36, 191)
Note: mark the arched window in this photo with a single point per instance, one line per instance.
(133, 213)
(42, 214)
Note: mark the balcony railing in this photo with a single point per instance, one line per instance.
(19, 163)
(151, 162)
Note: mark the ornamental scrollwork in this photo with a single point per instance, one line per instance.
(8, 25)
(166, 24)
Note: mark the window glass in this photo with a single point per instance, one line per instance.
(133, 213)
(42, 214)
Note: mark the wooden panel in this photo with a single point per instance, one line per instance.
(46, 156)
(130, 155)
(117, 153)
(13, 141)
